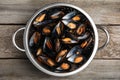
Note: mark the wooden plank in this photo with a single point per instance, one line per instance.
(23, 70)
(18, 12)
(9, 51)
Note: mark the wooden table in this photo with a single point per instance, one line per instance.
(14, 65)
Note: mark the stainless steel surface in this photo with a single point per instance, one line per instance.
(30, 56)
(14, 41)
(107, 38)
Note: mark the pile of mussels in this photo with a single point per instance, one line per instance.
(61, 39)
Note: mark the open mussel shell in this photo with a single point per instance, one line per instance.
(39, 52)
(69, 15)
(46, 60)
(61, 55)
(46, 30)
(48, 48)
(64, 66)
(35, 38)
(86, 43)
(75, 58)
(40, 18)
(57, 45)
(70, 24)
(84, 36)
(68, 40)
(81, 29)
(47, 44)
(43, 23)
(57, 31)
(76, 18)
(75, 50)
(57, 14)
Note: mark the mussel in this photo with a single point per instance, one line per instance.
(69, 15)
(74, 55)
(39, 52)
(75, 58)
(86, 43)
(70, 24)
(34, 39)
(64, 66)
(57, 31)
(57, 15)
(61, 55)
(40, 18)
(68, 40)
(46, 60)
(43, 23)
(57, 45)
(84, 36)
(76, 18)
(47, 44)
(46, 30)
(81, 29)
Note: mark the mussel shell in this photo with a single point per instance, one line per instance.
(57, 45)
(69, 15)
(46, 60)
(76, 18)
(43, 23)
(75, 50)
(61, 55)
(58, 30)
(68, 40)
(47, 44)
(84, 36)
(57, 15)
(39, 52)
(64, 67)
(87, 42)
(39, 18)
(70, 24)
(81, 29)
(75, 58)
(35, 38)
(46, 30)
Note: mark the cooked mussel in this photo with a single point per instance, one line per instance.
(64, 66)
(34, 39)
(40, 18)
(84, 36)
(47, 44)
(75, 50)
(43, 23)
(57, 31)
(70, 24)
(75, 58)
(70, 15)
(68, 40)
(86, 43)
(76, 18)
(39, 52)
(57, 45)
(46, 60)
(81, 29)
(61, 55)
(57, 15)
(46, 30)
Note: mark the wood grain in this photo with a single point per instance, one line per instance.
(9, 51)
(19, 12)
(23, 70)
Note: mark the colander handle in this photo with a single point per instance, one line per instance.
(14, 39)
(107, 37)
